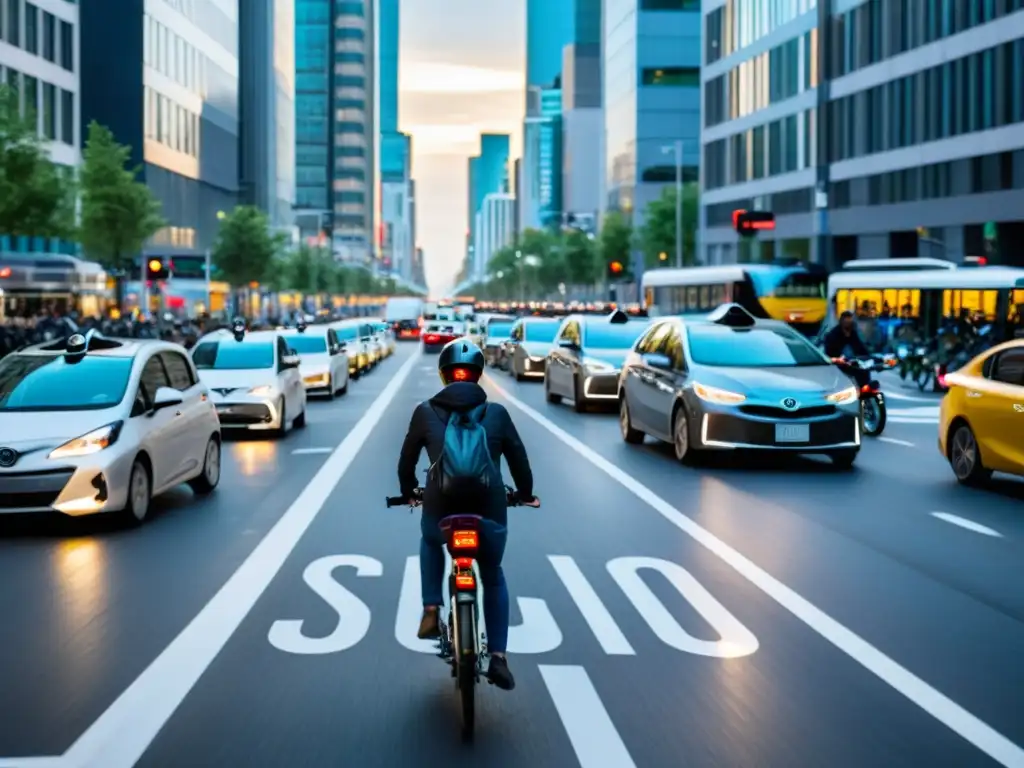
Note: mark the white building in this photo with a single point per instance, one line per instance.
(397, 215)
(495, 228)
(39, 56)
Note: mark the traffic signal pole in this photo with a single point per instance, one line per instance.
(143, 292)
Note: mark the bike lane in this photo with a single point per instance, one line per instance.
(615, 667)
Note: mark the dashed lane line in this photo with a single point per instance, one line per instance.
(311, 451)
(894, 441)
(970, 525)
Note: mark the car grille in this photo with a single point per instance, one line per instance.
(771, 412)
(603, 385)
(244, 414)
(733, 429)
(32, 490)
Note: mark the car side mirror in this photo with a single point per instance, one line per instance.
(290, 360)
(166, 397)
(661, 362)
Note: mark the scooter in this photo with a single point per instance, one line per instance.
(872, 401)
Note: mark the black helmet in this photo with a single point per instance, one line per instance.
(460, 360)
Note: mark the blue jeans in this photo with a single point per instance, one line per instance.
(492, 548)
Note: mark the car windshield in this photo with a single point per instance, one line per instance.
(45, 383)
(612, 336)
(720, 345)
(499, 330)
(233, 356)
(307, 345)
(348, 332)
(541, 332)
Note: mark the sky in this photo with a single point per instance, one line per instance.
(461, 73)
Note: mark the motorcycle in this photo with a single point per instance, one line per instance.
(462, 645)
(872, 401)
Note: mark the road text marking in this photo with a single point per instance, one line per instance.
(311, 451)
(969, 525)
(939, 706)
(590, 729)
(121, 735)
(607, 632)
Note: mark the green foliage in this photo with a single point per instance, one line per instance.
(658, 234)
(582, 262)
(246, 250)
(309, 271)
(37, 197)
(615, 243)
(119, 213)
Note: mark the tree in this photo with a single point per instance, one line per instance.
(119, 213)
(615, 242)
(245, 250)
(658, 234)
(302, 270)
(582, 264)
(36, 196)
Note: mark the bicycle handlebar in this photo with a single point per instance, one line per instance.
(511, 498)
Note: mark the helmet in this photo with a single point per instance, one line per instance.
(460, 360)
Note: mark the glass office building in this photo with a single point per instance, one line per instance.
(549, 158)
(313, 60)
(869, 132)
(164, 78)
(651, 97)
(488, 174)
(394, 150)
(550, 25)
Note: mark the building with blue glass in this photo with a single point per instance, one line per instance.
(651, 96)
(550, 26)
(313, 146)
(488, 173)
(394, 148)
(549, 157)
(164, 78)
(868, 132)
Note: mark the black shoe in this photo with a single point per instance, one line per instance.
(430, 629)
(499, 673)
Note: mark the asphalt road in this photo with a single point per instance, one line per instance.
(740, 614)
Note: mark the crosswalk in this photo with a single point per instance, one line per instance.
(920, 415)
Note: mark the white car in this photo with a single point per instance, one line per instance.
(385, 336)
(323, 363)
(94, 425)
(357, 337)
(253, 379)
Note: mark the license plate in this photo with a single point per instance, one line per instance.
(225, 409)
(792, 433)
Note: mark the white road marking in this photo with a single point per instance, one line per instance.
(938, 705)
(591, 731)
(32, 762)
(894, 441)
(970, 525)
(916, 413)
(594, 612)
(898, 396)
(311, 451)
(905, 420)
(121, 735)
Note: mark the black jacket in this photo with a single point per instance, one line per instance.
(836, 341)
(426, 430)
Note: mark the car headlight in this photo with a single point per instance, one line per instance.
(716, 395)
(847, 396)
(265, 389)
(89, 443)
(596, 365)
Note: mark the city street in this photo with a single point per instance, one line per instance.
(747, 612)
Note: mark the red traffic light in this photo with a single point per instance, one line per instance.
(751, 222)
(616, 268)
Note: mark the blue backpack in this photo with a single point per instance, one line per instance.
(465, 468)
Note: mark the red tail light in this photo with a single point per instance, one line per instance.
(431, 338)
(464, 576)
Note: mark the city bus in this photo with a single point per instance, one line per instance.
(793, 292)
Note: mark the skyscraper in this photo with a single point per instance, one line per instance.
(488, 173)
(550, 25)
(314, 158)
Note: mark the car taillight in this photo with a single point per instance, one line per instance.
(431, 338)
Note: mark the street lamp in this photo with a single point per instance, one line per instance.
(677, 148)
(519, 266)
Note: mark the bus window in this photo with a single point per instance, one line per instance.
(705, 297)
(692, 304)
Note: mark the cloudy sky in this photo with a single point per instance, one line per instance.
(462, 74)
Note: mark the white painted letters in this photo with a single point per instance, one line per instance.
(353, 615)
(736, 640)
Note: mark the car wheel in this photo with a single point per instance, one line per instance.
(681, 436)
(844, 460)
(965, 457)
(579, 402)
(140, 494)
(210, 477)
(300, 420)
(629, 434)
(551, 396)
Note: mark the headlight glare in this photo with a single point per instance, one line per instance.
(265, 389)
(845, 397)
(716, 395)
(89, 443)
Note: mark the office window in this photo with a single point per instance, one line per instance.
(14, 22)
(50, 111)
(30, 104)
(13, 78)
(31, 29)
(674, 76)
(50, 37)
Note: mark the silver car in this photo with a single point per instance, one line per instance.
(95, 425)
(730, 381)
(528, 345)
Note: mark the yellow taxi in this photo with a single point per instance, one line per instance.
(981, 420)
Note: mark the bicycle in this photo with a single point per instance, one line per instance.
(462, 645)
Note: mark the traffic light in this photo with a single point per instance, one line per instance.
(615, 269)
(156, 269)
(749, 223)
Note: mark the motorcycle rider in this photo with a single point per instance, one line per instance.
(844, 342)
(460, 365)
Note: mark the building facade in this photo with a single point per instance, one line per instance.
(266, 84)
(353, 131)
(582, 161)
(651, 56)
(550, 26)
(314, 157)
(872, 133)
(163, 77)
(39, 59)
(495, 228)
(548, 146)
(488, 174)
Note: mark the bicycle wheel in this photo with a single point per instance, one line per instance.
(466, 659)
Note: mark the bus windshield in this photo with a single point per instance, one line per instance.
(789, 284)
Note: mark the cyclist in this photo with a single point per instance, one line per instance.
(844, 342)
(461, 364)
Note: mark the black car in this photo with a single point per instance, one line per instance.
(588, 354)
(729, 381)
